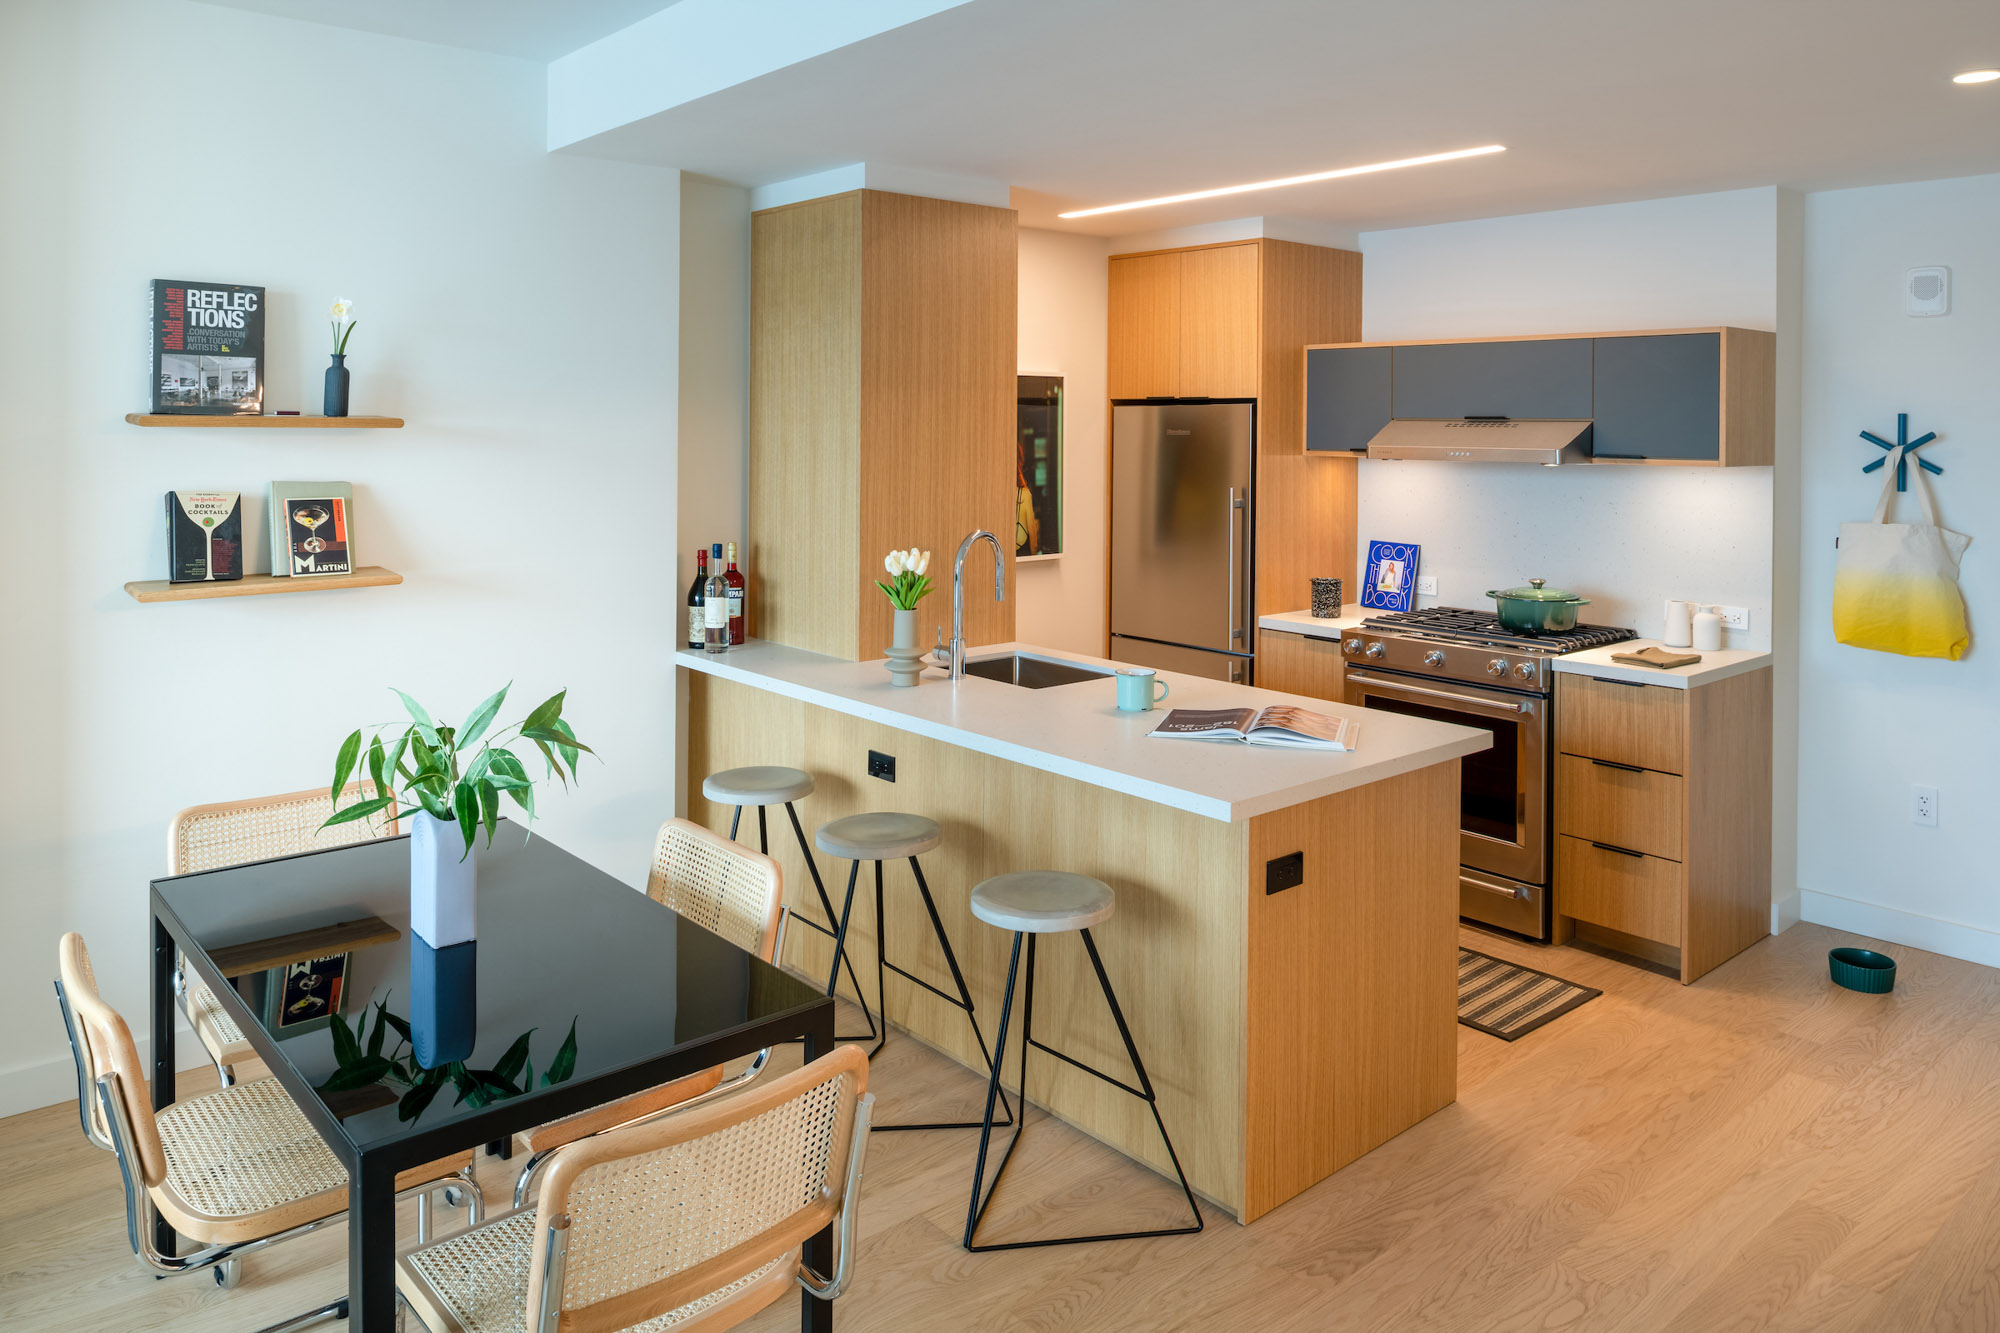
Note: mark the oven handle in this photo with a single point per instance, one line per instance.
(1523, 706)
(1504, 891)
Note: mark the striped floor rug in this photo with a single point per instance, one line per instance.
(1507, 1001)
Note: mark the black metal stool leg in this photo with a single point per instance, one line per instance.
(1144, 1092)
(840, 955)
(826, 905)
(976, 1209)
(734, 821)
(994, 1056)
(763, 833)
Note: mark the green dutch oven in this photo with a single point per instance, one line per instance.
(1537, 610)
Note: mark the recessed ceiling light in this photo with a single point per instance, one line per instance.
(1291, 180)
(1976, 76)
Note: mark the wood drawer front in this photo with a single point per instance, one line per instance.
(1640, 895)
(1644, 725)
(1626, 807)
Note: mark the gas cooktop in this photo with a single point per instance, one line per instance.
(1470, 646)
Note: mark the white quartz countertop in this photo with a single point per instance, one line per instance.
(1077, 730)
(1305, 622)
(1716, 664)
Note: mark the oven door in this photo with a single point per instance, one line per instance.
(1503, 791)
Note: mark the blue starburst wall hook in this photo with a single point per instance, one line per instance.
(1909, 448)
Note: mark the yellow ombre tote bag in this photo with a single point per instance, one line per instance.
(1895, 585)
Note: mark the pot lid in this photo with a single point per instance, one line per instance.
(1535, 592)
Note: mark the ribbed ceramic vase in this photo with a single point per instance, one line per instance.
(443, 882)
(336, 387)
(906, 659)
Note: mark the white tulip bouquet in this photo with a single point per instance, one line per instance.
(907, 584)
(343, 325)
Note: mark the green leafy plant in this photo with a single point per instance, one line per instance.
(436, 769)
(362, 1063)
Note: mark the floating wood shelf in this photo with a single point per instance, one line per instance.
(289, 423)
(256, 585)
(303, 945)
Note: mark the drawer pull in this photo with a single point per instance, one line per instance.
(1622, 851)
(1622, 768)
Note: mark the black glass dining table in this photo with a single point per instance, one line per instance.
(577, 990)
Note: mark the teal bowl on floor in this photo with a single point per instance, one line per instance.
(1863, 970)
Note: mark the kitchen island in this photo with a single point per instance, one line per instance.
(1288, 1028)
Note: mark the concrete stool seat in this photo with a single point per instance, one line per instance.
(882, 836)
(1042, 902)
(763, 784)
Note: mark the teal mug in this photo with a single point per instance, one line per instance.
(1135, 689)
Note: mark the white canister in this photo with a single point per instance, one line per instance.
(1707, 630)
(1680, 624)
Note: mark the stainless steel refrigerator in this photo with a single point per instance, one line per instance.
(1181, 526)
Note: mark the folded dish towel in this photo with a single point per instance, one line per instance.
(1657, 657)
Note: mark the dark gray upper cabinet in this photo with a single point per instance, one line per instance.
(1548, 377)
(1347, 396)
(1659, 396)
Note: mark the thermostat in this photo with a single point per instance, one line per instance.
(1927, 291)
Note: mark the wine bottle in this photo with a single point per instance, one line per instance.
(737, 589)
(697, 635)
(715, 605)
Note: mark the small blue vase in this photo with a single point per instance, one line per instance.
(336, 387)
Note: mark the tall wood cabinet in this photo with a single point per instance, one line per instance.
(882, 360)
(1233, 321)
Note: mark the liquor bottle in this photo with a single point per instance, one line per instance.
(697, 635)
(715, 605)
(737, 587)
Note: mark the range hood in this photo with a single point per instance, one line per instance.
(1484, 440)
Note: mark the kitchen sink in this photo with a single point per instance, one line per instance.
(1032, 673)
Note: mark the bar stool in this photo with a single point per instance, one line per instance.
(762, 786)
(1031, 903)
(888, 836)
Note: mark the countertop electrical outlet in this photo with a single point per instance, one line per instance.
(881, 766)
(1923, 806)
(1284, 872)
(1427, 585)
(1734, 617)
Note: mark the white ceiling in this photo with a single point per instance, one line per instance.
(1083, 102)
(537, 30)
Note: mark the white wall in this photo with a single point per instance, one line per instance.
(1628, 538)
(1065, 283)
(714, 369)
(516, 307)
(1872, 724)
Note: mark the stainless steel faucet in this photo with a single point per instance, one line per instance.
(954, 656)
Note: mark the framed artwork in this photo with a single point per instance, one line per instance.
(1390, 582)
(1038, 450)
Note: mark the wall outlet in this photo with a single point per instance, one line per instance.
(1734, 617)
(881, 766)
(1427, 585)
(1923, 806)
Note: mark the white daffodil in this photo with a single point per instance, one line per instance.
(923, 562)
(343, 309)
(894, 563)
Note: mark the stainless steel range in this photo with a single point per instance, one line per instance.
(1462, 667)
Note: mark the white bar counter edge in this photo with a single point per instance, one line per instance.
(1077, 731)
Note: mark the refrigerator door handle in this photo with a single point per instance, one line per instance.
(1236, 502)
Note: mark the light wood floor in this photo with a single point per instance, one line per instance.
(1759, 1151)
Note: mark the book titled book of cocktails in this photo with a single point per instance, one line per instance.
(312, 528)
(1280, 724)
(204, 536)
(205, 348)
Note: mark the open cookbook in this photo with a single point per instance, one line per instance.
(1279, 724)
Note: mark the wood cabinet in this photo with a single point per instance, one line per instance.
(1231, 321)
(882, 387)
(1663, 816)
(1682, 397)
(1300, 664)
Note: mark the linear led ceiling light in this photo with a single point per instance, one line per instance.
(1976, 76)
(1426, 160)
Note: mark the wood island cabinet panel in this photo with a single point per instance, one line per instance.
(1144, 317)
(1353, 979)
(1626, 807)
(1300, 664)
(1218, 322)
(1644, 725)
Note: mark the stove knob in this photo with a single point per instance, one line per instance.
(1352, 645)
(1434, 658)
(1497, 667)
(1525, 670)
(1376, 649)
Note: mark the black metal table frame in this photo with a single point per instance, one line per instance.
(371, 1174)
